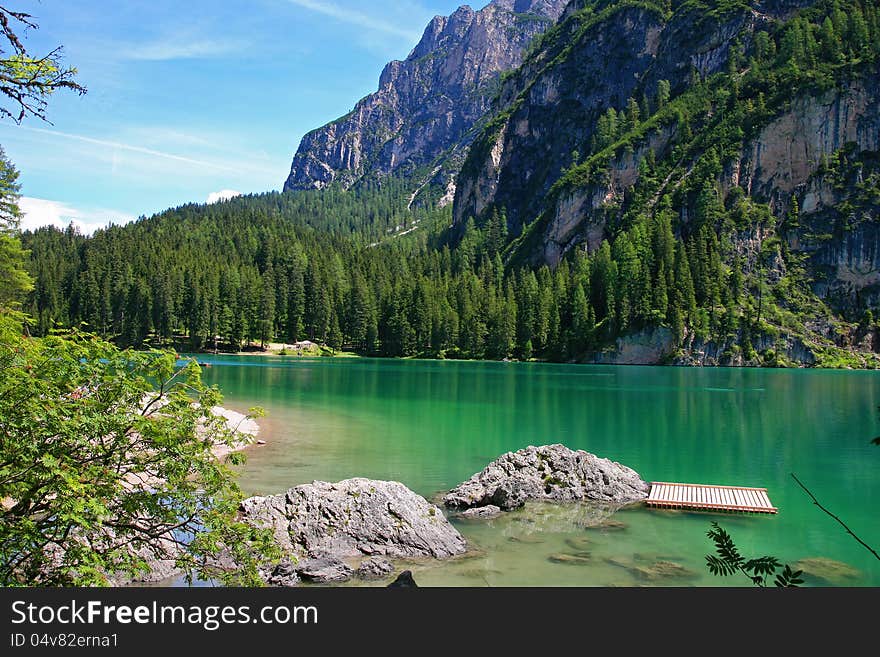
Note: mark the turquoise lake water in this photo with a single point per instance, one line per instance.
(432, 424)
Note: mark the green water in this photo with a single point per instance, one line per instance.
(433, 424)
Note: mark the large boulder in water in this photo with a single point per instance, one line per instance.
(550, 472)
(354, 518)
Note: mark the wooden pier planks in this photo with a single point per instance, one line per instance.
(710, 498)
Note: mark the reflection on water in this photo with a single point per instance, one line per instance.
(432, 424)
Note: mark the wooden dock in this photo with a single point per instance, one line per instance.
(710, 498)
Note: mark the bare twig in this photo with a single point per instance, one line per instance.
(842, 524)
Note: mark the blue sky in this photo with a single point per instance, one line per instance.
(190, 100)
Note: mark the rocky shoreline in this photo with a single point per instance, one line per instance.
(333, 532)
(356, 528)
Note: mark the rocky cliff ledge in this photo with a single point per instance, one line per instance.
(321, 526)
(550, 472)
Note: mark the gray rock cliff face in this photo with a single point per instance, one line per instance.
(780, 162)
(550, 472)
(788, 151)
(426, 105)
(353, 518)
(550, 107)
(778, 166)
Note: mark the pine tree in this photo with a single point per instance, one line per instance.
(663, 91)
(607, 130)
(267, 306)
(583, 321)
(296, 295)
(683, 302)
(15, 282)
(633, 114)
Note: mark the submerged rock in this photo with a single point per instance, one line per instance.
(528, 540)
(482, 512)
(578, 543)
(655, 558)
(657, 571)
(608, 525)
(353, 518)
(550, 472)
(576, 559)
(828, 571)
(661, 570)
(375, 568)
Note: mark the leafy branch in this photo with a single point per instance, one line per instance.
(727, 561)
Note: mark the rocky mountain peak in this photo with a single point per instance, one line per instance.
(423, 114)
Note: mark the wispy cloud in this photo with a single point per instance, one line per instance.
(180, 48)
(222, 195)
(38, 212)
(136, 149)
(357, 18)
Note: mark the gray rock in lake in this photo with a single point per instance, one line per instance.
(483, 512)
(375, 568)
(512, 493)
(550, 472)
(354, 518)
(324, 570)
(283, 575)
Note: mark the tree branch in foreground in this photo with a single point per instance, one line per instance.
(842, 524)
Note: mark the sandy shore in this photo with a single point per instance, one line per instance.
(240, 424)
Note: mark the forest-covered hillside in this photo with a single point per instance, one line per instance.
(719, 208)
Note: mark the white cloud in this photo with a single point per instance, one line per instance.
(357, 18)
(180, 48)
(38, 212)
(222, 195)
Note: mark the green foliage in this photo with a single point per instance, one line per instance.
(10, 213)
(15, 282)
(106, 460)
(28, 80)
(728, 561)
